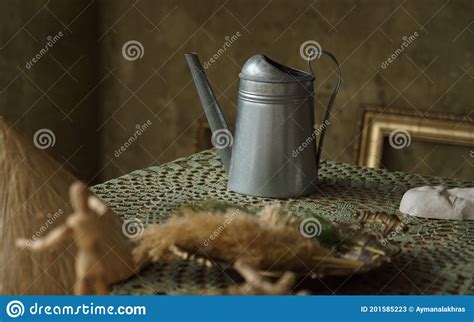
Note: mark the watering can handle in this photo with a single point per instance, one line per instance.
(332, 99)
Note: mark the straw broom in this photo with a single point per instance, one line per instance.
(33, 201)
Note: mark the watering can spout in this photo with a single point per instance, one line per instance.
(221, 135)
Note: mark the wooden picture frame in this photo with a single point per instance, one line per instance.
(378, 124)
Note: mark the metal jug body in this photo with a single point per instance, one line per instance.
(274, 151)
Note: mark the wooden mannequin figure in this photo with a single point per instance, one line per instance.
(255, 284)
(84, 228)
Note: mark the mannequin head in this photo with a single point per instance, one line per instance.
(439, 202)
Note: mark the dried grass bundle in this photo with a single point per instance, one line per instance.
(267, 242)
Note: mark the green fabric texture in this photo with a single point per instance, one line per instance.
(437, 256)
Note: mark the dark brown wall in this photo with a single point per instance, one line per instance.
(433, 74)
(55, 92)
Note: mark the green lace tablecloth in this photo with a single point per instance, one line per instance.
(437, 256)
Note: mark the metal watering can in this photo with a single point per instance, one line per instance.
(273, 152)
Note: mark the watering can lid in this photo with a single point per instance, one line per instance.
(260, 68)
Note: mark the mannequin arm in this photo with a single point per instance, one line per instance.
(48, 242)
(97, 205)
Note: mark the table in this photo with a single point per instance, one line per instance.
(437, 256)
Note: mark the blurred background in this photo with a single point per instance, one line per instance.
(107, 79)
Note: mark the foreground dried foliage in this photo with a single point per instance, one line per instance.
(269, 243)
